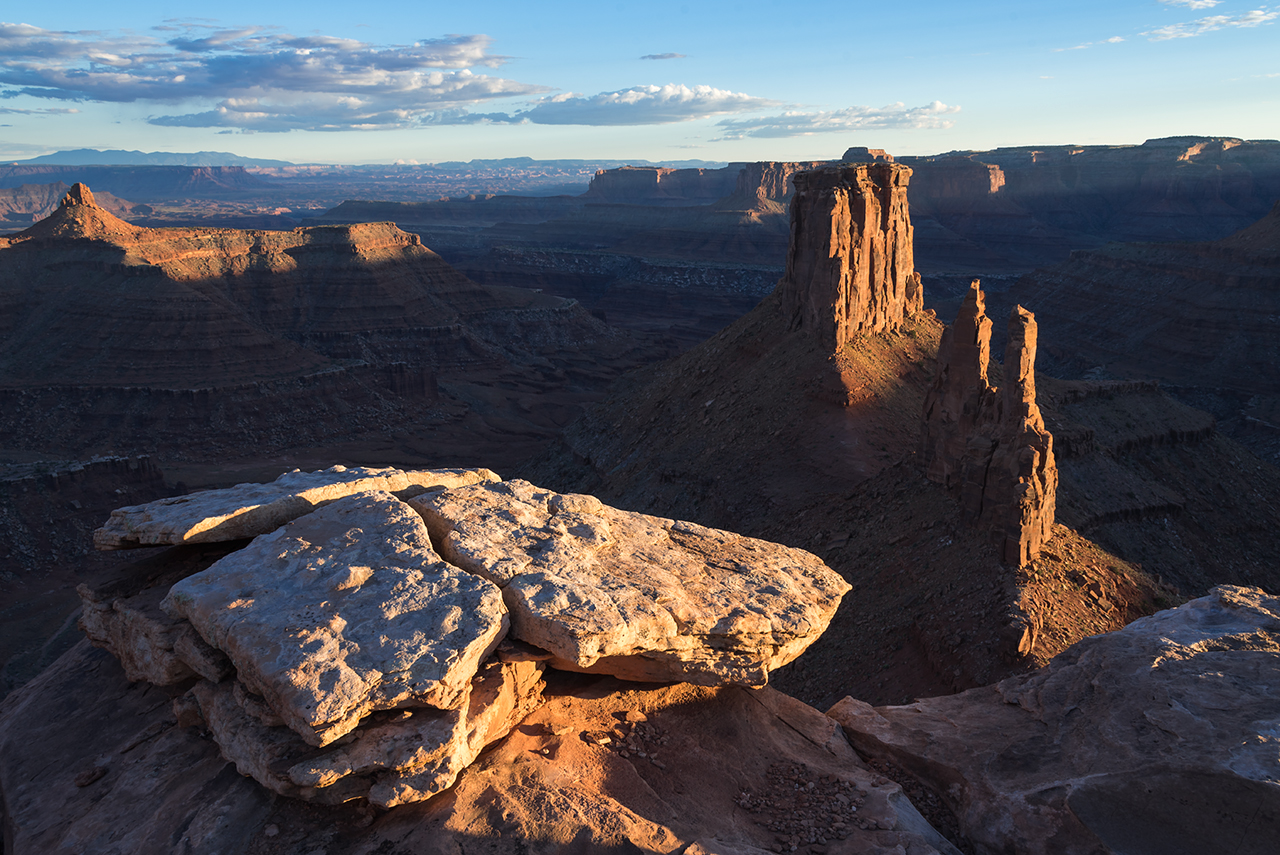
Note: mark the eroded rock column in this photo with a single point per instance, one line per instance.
(989, 446)
(850, 266)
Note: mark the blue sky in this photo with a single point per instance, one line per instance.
(758, 80)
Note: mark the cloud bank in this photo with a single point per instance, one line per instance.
(1207, 25)
(794, 124)
(1193, 4)
(643, 105)
(258, 79)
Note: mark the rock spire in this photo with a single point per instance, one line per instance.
(79, 194)
(850, 266)
(988, 446)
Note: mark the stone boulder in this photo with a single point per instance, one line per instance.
(636, 596)
(248, 510)
(342, 612)
(989, 446)
(850, 264)
(1161, 738)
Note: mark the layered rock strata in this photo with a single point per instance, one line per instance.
(247, 510)
(394, 758)
(636, 596)
(850, 266)
(1162, 737)
(989, 446)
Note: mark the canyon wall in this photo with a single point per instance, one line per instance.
(656, 185)
(850, 266)
(989, 446)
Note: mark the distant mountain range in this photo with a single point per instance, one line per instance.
(119, 157)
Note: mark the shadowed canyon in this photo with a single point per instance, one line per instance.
(555, 523)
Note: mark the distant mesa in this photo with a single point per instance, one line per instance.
(862, 154)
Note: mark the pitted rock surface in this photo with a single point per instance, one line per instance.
(1162, 737)
(247, 510)
(632, 595)
(342, 612)
(393, 758)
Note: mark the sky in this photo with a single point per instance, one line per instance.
(320, 82)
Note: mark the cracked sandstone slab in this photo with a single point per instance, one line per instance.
(636, 596)
(247, 510)
(342, 612)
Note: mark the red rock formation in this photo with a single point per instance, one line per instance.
(850, 266)
(989, 447)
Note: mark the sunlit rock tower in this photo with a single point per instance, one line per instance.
(850, 266)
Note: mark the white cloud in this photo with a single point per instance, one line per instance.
(663, 56)
(1207, 25)
(1111, 41)
(643, 105)
(253, 78)
(1192, 4)
(794, 124)
(51, 111)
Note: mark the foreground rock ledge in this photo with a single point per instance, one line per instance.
(92, 763)
(342, 612)
(1159, 739)
(632, 595)
(247, 510)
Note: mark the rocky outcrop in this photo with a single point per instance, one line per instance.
(1158, 738)
(850, 266)
(21, 206)
(989, 446)
(343, 630)
(343, 612)
(636, 596)
(248, 510)
(393, 759)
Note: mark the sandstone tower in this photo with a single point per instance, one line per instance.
(850, 266)
(988, 446)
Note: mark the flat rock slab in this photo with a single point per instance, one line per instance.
(1161, 738)
(342, 612)
(248, 510)
(393, 758)
(635, 596)
(549, 787)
